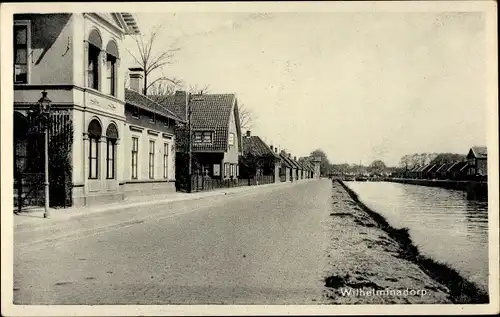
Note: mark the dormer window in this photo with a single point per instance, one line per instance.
(203, 137)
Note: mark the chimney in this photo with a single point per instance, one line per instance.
(271, 147)
(181, 101)
(275, 150)
(289, 155)
(248, 133)
(136, 75)
(294, 158)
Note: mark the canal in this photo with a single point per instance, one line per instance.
(442, 223)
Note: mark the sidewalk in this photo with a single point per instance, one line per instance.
(35, 218)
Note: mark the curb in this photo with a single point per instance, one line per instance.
(33, 226)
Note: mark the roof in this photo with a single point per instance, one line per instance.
(458, 166)
(209, 112)
(286, 160)
(444, 167)
(434, 168)
(131, 22)
(139, 100)
(479, 151)
(254, 145)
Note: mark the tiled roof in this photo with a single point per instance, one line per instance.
(480, 151)
(141, 101)
(285, 160)
(458, 166)
(210, 112)
(433, 168)
(254, 145)
(299, 165)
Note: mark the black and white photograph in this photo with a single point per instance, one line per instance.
(249, 158)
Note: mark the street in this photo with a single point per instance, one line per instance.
(266, 246)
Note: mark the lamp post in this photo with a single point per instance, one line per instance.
(190, 140)
(41, 113)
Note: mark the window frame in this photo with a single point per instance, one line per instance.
(151, 161)
(110, 158)
(111, 75)
(93, 158)
(26, 23)
(135, 154)
(96, 70)
(231, 138)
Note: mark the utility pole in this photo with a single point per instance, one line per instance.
(190, 140)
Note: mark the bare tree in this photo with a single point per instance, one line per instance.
(198, 90)
(246, 117)
(150, 61)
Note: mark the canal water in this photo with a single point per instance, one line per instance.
(442, 223)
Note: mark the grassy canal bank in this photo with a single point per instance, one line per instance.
(375, 263)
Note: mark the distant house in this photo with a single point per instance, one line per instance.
(292, 171)
(150, 142)
(477, 159)
(285, 168)
(216, 137)
(431, 172)
(457, 171)
(258, 159)
(441, 171)
(298, 168)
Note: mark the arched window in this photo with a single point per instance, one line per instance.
(111, 69)
(95, 46)
(111, 137)
(95, 132)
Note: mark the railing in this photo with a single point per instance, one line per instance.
(200, 183)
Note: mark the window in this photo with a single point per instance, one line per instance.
(94, 50)
(198, 137)
(111, 75)
(110, 158)
(21, 46)
(166, 122)
(231, 138)
(135, 112)
(203, 137)
(135, 151)
(151, 159)
(226, 169)
(94, 133)
(93, 157)
(93, 67)
(165, 160)
(152, 118)
(111, 65)
(111, 137)
(237, 170)
(207, 137)
(232, 170)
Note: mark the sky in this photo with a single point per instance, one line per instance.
(360, 86)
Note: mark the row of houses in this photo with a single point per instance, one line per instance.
(475, 167)
(108, 141)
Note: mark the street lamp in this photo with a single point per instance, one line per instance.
(41, 113)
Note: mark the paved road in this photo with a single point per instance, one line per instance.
(261, 247)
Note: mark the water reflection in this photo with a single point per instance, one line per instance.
(443, 223)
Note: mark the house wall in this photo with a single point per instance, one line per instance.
(146, 131)
(482, 167)
(277, 172)
(51, 55)
(57, 63)
(232, 154)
